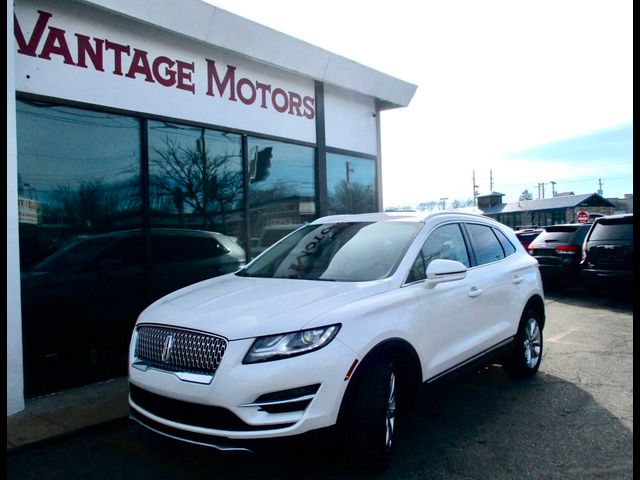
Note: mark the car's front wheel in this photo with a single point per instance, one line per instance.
(370, 421)
(524, 359)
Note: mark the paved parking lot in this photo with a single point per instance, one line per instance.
(573, 421)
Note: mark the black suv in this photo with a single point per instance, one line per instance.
(558, 250)
(607, 254)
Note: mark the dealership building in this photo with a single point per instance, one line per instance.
(130, 122)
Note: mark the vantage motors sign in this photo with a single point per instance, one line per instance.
(77, 52)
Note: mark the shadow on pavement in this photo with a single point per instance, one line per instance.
(616, 299)
(482, 425)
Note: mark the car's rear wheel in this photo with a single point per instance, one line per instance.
(524, 359)
(370, 420)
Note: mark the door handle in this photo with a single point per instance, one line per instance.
(517, 279)
(474, 292)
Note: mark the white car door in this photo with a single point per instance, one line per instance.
(445, 323)
(496, 287)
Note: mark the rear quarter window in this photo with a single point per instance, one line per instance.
(507, 246)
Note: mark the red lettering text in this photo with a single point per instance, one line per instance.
(56, 44)
(184, 75)
(29, 48)
(140, 65)
(95, 54)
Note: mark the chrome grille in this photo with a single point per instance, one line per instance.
(178, 350)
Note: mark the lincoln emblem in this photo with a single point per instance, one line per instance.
(167, 348)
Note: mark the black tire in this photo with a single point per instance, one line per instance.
(524, 359)
(368, 430)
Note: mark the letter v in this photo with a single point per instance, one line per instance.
(30, 48)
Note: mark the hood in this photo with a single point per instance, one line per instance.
(238, 307)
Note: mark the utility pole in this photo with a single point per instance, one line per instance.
(542, 189)
(349, 170)
(490, 181)
(475, 187)
(553, 188)
(600, 186)
(538, 190)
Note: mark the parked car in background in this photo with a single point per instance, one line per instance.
(79, 305)
(527, 235)
(558, 250)
(607, 253)
(333, 329)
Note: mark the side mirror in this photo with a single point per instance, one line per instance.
(440, 271)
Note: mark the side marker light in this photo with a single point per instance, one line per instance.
(351, 369)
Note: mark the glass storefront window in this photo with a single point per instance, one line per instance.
(281, 190)
(195, 178)
(78, 174)
(196, 198)
(82, 272)
(94, 253)
(351, 184)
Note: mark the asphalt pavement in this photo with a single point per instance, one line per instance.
(574, 420)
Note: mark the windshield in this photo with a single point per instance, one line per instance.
(613, 229)
(347, 252)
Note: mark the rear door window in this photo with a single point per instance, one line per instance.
(178, 248)
(485, 244)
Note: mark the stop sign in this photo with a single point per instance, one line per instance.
(582, 217)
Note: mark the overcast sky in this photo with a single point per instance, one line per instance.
(532, 92)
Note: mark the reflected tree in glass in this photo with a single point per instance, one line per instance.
(190, 179)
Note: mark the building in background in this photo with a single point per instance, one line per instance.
(542, 212)
(146, 116)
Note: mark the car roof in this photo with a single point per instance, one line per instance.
(567, 225)
(289, 226)
(618, 215)
(419, 217)
(528, 230)
(162, 231)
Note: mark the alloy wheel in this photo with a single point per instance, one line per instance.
(532, 343)
(391, 410)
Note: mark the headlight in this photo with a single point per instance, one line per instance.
(285, 345)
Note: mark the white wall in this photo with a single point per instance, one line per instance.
(350, 121)
(15, 383)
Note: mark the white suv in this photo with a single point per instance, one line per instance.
(334, 326)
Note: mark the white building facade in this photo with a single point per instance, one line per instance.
(149, 118)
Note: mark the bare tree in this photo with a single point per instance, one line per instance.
(429, 206)
(352, 197)
(194, 182)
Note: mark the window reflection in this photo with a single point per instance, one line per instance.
(195, 178)
(350, 184)
(82, 273)
(78, 173)
(282, 190)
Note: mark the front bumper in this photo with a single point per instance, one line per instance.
(226, 410)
